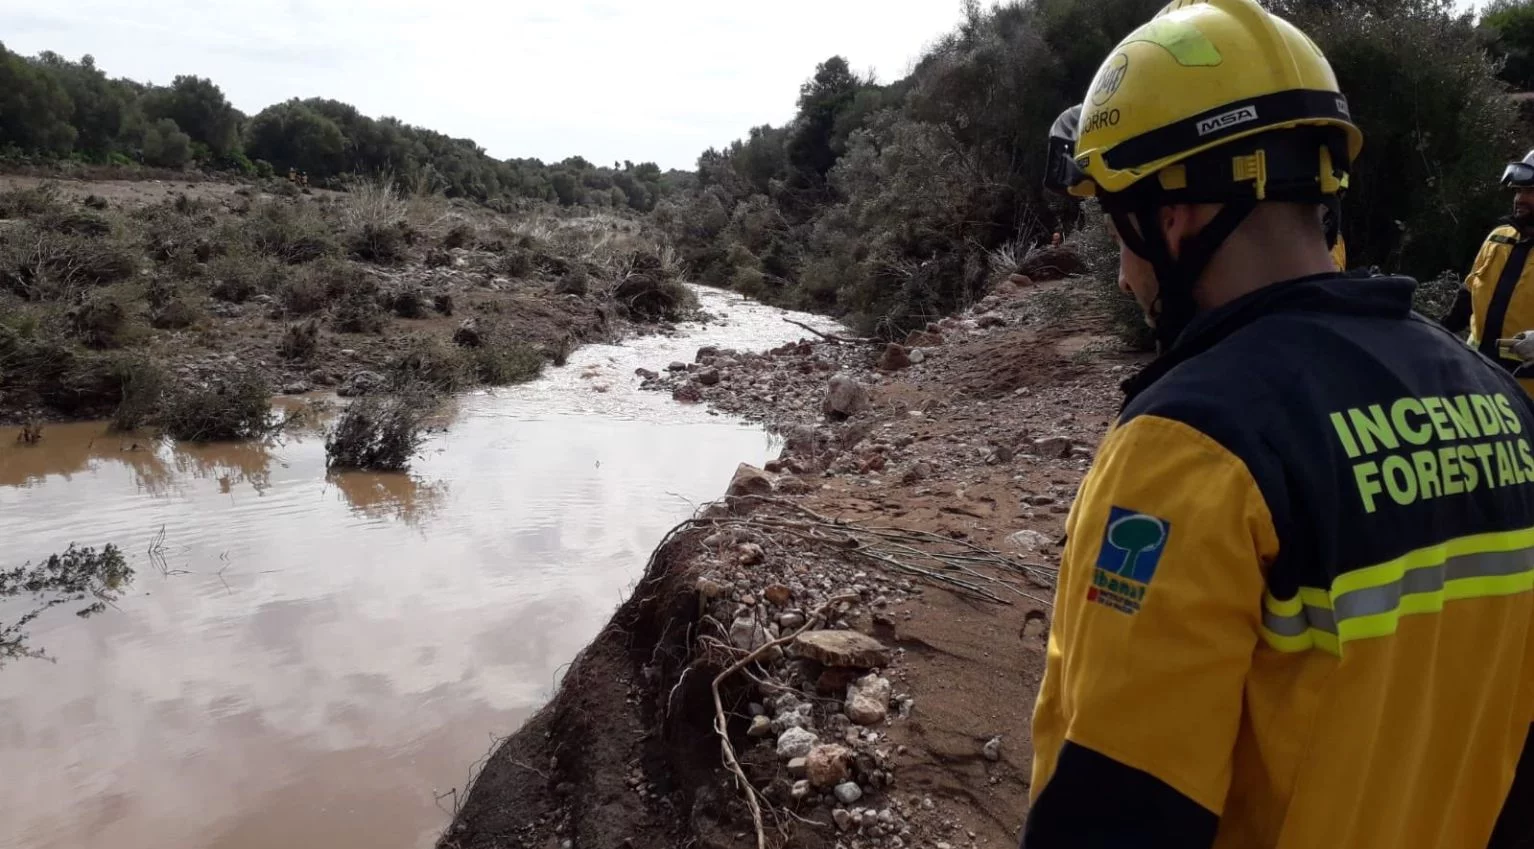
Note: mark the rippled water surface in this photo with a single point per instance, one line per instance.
(310, 660)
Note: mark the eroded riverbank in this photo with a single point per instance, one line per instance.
(311, 660)
(922, 509)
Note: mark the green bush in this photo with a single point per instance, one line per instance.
(427, 361)
(291, 232)
(143, 384)
(380, 243)
(39, 201)
(105, 319)
(357, 311)
(238, 407)
(380, 432)
(506, 364)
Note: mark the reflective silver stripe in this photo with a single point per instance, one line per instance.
(1318, 618)
(1372, 601)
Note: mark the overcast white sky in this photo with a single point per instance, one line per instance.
(606, 79)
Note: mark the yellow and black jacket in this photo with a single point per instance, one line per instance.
(1295, 604)
(1497, 300)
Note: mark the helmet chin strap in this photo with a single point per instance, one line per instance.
(1175, 307)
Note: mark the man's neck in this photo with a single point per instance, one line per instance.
(1240, 268)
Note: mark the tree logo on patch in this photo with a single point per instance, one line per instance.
(1131, 550)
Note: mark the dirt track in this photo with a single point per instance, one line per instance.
(974, 454)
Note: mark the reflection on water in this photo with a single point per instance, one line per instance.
(319, 654)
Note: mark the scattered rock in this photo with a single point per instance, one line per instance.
(707, 352)
(988, 321)
(796, 743)
(799, 767)
(828, 766)
(918, 356)
(747, 634)
(1053, 446)
(1052, 263)
(710, 588)
(923, 339)
(647, 374)
(360, 383)
(895, 358)
(848, 793)
(843, 819)
(677, 366)
(1040, 500)
(844, 397)
(749, 480)
(295, 389)
(761, 726)
(843, 648)
(750, 554)
(1028, 541)
(778, 595)
(468, 334)
(688, 393)
(835, 680)
(868, 700)
(992, 749)
(801, 790)
(709, 377)
(1021, 281)
(791, 621)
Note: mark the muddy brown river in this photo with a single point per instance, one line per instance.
(312, 660)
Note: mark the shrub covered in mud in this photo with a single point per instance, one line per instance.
(506, 364)
(102, 320)
(39, 264)
(77, 575)
(300, 341)
(380, 432)
(430, 362)
(294, 233)
(238, 407)
(143, 385)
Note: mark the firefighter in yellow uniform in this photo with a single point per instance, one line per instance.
(1296, 604)
(1340, 254)
(1497, 300)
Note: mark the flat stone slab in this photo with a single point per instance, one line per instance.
(843, 649)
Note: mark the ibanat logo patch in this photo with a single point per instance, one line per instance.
(1132, 547)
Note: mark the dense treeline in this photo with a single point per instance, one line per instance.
(895, 203)
(55, 109)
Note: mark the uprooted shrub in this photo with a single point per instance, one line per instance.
(292, 232)
(237, 407)
(35, 202)
(40, 265)
(300, 341)
(410, 303)
(380, 432)
(104, 319)
(506, 364)
(385, 244)
(428, 361)
(650, 297)
(143, 384)
(79, 574)
(459, 236)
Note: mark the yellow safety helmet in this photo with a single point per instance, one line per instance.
(1203, 74)
(1211, 101)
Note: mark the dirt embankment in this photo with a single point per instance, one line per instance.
(108, 287)
(865, 620)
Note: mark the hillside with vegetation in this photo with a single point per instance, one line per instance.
(57, 112)
(896, 203)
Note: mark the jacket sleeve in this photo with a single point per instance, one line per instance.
(1157, 615)
(1458, 316)
(1515, 828)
